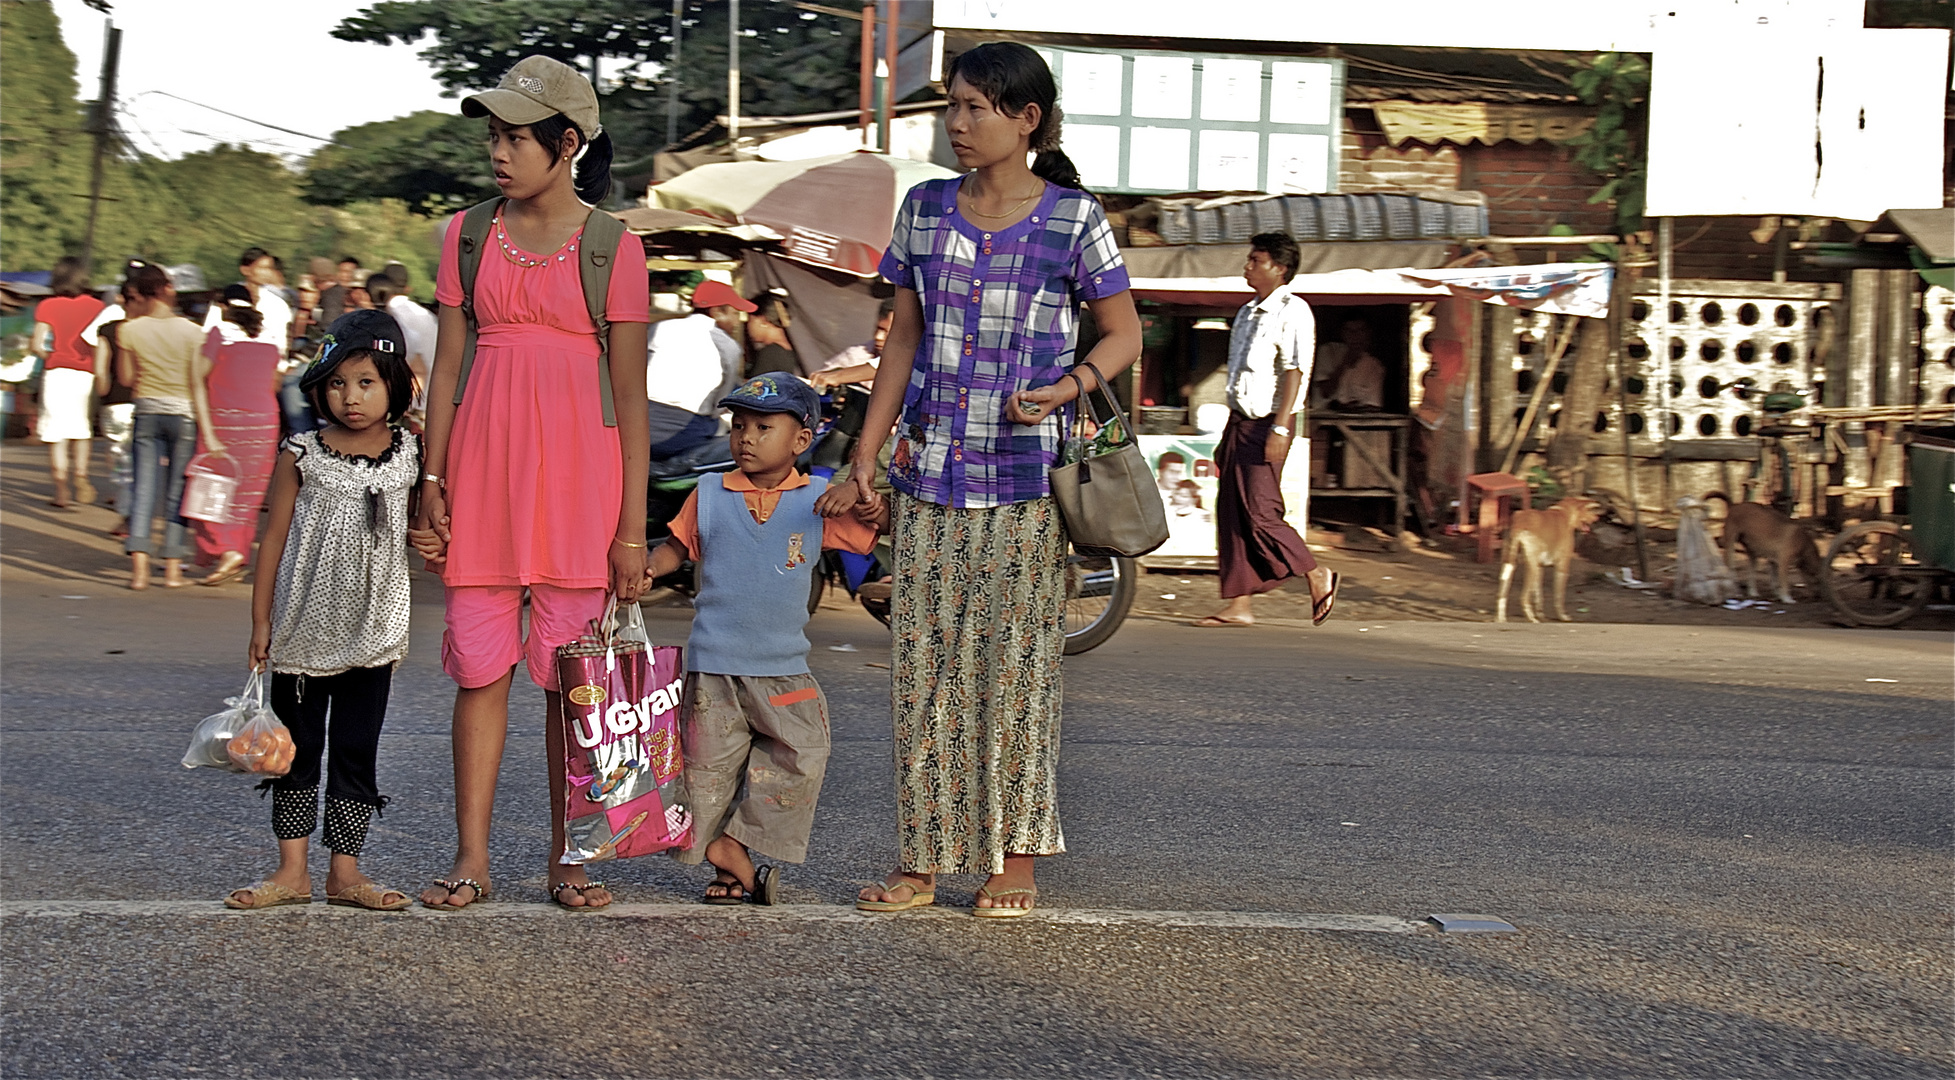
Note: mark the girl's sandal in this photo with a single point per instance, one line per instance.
(265, 894)
(557, 891)
(369, 896)
(918, 898)
(481, 894)
(1003, 912)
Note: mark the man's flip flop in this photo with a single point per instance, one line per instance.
(1003, 912)
(731, 892)
(1218, 622)
(918, 898)
(1321, 609)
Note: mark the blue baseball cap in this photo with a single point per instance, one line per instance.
(776, 392)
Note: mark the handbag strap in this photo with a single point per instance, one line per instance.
(1104, 394)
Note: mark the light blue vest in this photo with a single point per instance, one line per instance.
(754, 582)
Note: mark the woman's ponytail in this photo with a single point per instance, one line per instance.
(593, 176)
(1054, 167)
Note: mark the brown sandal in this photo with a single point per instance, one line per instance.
(266, 894)
(370, 896)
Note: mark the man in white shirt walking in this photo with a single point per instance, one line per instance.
(1270, 349)
(418, 327)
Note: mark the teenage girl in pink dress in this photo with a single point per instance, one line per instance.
(526, 489)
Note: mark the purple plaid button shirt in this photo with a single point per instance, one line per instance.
(999, 312)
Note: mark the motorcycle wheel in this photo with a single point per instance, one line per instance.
(1100, 590)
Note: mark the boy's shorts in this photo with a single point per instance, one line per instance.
(485, 630)
(770, 731)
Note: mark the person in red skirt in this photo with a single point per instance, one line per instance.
(242, 386)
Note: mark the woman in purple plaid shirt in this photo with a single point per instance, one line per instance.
(990, 270)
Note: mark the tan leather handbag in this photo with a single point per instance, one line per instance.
(1106, 493)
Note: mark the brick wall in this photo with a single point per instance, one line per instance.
(1532, 187)
(1369, 163)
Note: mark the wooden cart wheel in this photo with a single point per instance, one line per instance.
(1872, 578)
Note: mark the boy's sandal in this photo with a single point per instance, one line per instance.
(557, 891)
(1003, 912)
(455, 886)
(370, 896)
(918, 898)
(730, 892)
(265, 894)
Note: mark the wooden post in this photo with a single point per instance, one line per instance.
(1526, 426)
(1894, 382)
(1862, 355)
(1497, 384)
(1581, 401)
(733, 79)
(890, 33)
(867, 101)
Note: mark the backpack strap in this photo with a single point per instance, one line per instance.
(475, 237)
(596, 253)
(595, 256)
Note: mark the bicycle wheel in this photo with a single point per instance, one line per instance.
(1871, 576)
(1099, 591)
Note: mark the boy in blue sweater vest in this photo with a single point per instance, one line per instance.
(752, 711)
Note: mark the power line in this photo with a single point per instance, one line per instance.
(238, 116)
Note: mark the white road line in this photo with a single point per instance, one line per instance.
(786, 913)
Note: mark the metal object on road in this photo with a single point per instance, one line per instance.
(1471, 924)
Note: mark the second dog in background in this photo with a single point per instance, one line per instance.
(1766, 534)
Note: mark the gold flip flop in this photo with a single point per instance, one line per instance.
(266, 894)
(1003, 912)
(918, 898)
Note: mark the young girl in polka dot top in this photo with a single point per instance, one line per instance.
(330, 604)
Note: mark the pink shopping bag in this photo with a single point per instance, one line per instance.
(626, 790)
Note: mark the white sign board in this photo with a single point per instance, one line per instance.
(1844, 125)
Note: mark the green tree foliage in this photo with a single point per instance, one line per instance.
(203, 208)
(43, 145)
(1617, 147)
(431, 161)
(792, 61)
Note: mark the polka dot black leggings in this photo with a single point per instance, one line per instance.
(357, 702)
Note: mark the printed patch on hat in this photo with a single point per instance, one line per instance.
(760, 387)
(530, 83)
(587, 695)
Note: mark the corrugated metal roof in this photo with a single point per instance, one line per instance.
(1381, 73)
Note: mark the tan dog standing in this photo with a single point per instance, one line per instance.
(1539, 538)
(1768, 534)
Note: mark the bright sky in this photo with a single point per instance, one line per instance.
(274, 61)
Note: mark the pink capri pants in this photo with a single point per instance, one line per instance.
(485, 636)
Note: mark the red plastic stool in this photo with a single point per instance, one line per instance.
(1499, 494)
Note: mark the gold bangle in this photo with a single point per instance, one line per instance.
(624, 543)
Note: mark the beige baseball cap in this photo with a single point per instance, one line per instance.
(535, 89)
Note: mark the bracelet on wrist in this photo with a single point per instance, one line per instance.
(430, 478)
(625, 543)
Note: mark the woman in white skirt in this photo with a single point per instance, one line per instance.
(67, 380)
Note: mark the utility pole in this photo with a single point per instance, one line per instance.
(672, 76)
(733, 78)
(891, 24)
(100, 126)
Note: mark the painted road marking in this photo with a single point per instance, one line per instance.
(793, 913)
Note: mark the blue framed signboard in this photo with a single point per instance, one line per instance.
(1156, 123)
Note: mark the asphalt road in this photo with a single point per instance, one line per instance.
(1727, 853)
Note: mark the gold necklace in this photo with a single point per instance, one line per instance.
(974, 212)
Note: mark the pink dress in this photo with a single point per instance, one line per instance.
(534, 476)
(243, 389)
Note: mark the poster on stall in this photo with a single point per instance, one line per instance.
(1184, 469)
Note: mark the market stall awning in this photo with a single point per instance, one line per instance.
(1557, 288)
(833, 211)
